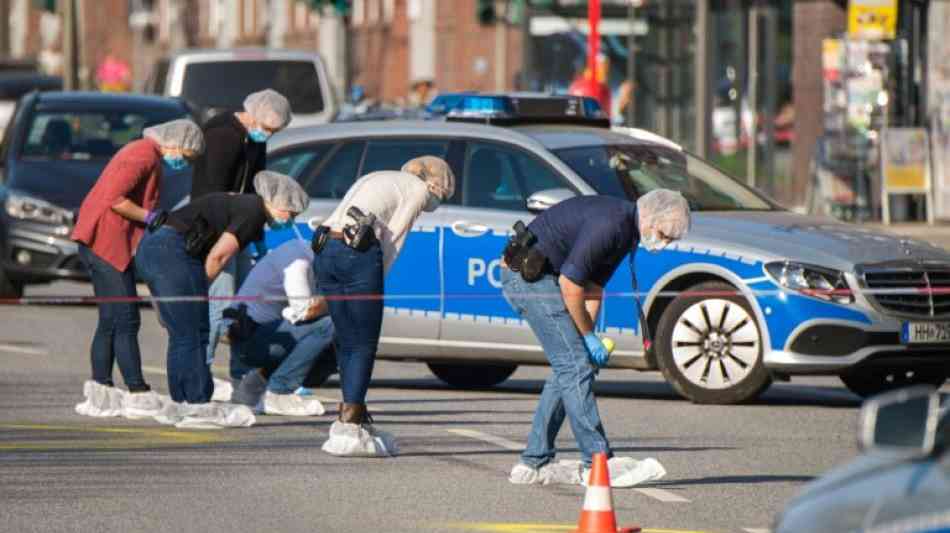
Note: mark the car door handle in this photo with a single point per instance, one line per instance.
(469, 229)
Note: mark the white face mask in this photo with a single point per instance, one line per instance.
(432, 203)
(653, 243)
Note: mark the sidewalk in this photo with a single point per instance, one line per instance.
(938, 234)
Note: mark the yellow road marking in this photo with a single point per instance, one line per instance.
(129, 437)
(516, 527)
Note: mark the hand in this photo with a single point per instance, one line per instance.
(598, 352)
(312, 312)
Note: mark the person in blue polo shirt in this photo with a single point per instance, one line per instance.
(553, 276)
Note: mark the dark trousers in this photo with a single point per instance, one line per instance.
(353, 283)
(170, 271)
(117, 333)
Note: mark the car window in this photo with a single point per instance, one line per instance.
(336, 176)
(633, 170)
(84, 135)
(393, 154)
(225, 84)
(299, 163)
(501, 177)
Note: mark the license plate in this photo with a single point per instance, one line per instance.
(926, 332)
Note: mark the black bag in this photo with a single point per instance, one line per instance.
(360, 235)
(320, 237)
(199, 238)
(522, 257)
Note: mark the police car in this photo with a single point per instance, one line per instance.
(754, 292)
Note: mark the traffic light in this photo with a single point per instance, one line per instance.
(45, 5)
(486, 11)
(342, 7)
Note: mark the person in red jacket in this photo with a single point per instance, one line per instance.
(111, 221)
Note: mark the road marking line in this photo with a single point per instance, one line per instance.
(16, 348)
(324, 399)
(516, 527)
(756, 530)
(485, 437)
(663, 495)
(138, 437)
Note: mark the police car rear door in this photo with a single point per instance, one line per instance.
(490, 197)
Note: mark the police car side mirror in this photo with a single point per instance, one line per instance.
(542, 200)
(902, 422)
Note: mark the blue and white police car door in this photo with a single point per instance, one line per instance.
(474, 236)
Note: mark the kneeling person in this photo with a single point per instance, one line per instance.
(283, 343)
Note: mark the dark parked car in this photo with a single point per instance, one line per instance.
(900, 483)
(54, 150)
(15, 84)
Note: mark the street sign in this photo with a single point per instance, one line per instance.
(872, 19)
(905, 166)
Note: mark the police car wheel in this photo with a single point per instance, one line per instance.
(465, 376)
(709, 347)
(869, 381)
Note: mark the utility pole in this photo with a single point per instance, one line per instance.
(631, 63)
(753, 134)
(501, 44)
(701, 72)
(5, 23)
(527, 54)
(70, 46)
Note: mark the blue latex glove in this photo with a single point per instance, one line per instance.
(597, 350)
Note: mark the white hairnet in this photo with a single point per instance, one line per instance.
(666, 211)
(269, 108)
(435, 172)
(181, 134)
(281, 191)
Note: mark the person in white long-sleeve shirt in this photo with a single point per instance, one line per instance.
(284, 332)
(351, 277)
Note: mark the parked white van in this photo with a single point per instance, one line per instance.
(218, 80)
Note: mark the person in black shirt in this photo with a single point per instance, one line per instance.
(236, 152)
(558, 289)
(179, 258)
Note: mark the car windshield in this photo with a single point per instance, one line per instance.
(84, 135)
(630, 171)
(225, 84)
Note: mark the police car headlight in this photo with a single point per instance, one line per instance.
(29, 208)
(819, 282)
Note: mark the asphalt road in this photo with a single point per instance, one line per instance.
(730, 468)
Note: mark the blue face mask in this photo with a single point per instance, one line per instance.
(258, 135)
(175, 162)
(281, 224)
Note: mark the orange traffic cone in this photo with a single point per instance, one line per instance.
(597, 516)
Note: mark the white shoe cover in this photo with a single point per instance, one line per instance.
(101, 400)
(291, 405)
(139, 405)
(522, 474)
(563, 473)
(355, 440)
(222, 390)
(627, 472)
(206, 415)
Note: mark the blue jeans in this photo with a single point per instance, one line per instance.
(170, 271)
(569, 390)
(291, 349)
(117, 333)
(226, 284)
(352, 281)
